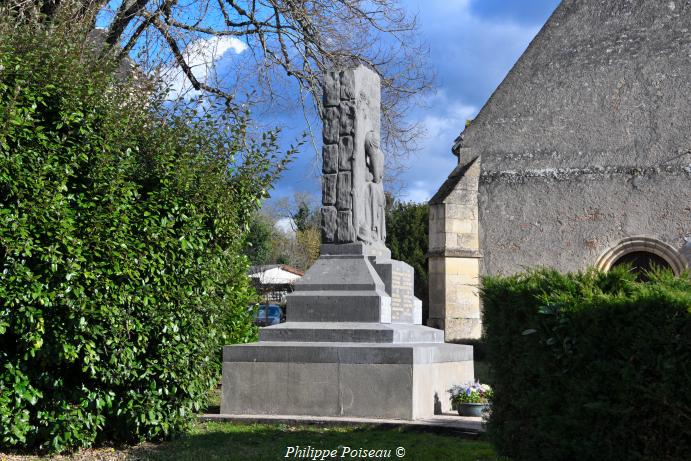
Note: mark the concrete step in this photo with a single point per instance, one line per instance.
(447, 422)
(345, 332)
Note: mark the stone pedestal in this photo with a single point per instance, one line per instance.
(374, 380)
(341, 353)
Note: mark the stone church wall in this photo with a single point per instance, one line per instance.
(567, 219)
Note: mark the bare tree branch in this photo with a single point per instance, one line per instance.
(289, 41)
(128, 10)
(180, 60)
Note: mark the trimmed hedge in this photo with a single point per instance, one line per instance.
(589, 366)
(121, 229)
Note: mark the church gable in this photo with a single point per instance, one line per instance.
(581, 158)
(603, 83)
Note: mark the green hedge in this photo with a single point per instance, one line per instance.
(121, 226)
(589, 366)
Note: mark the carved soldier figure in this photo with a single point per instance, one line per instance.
(376, 200)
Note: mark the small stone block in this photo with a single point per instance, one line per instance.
(347, 85)
(345, 153)
(344, 195)
(345, 231)
(331, 123)
(330, 158)
(347, 120)
(329, 224)
(332, 89)
(328, 189)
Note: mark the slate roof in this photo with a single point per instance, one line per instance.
(605, 82)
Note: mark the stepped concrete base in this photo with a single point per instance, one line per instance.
(355, 332)
(343, 288)
(370, 380)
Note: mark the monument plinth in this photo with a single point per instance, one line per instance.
(353, 343)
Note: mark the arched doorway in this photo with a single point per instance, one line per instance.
(642, 253)
(641, 262)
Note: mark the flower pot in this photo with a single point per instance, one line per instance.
(472, 409)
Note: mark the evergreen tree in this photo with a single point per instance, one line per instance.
(407, 231)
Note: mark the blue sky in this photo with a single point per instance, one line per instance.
(473, 44)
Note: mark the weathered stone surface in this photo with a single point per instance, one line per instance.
(342, 379)
(462, 329)
(347, 119)
(330, 158)
(331, 124)
(325, 332)
(581, 152)
(604, 102)
(329, 223)
(329, 189)
(344, 199)
(332, 89)
(398, 278)
(347, 84)
(686, 250)
(345, 153)
(345, 232)
(356, 137)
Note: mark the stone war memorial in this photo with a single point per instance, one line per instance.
(353, 344)
(580, 158)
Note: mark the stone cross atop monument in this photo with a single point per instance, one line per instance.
(353, 165)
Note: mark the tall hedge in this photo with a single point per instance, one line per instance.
(589, 366)
(120, 232)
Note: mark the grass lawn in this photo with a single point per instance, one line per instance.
(225, 441)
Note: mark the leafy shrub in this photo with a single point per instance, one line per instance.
(589, 366)
(120, 230)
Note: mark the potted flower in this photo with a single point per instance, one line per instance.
(471, 399)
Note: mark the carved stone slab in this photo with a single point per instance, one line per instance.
(352, 158)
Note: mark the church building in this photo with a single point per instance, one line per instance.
(580, 158)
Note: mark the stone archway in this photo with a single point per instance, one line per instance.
(642, 250)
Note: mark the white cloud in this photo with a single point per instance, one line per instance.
(442, 122)
(201, 55)
(419, 193)
(286, 225)
(447, 121)
(471, 55)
